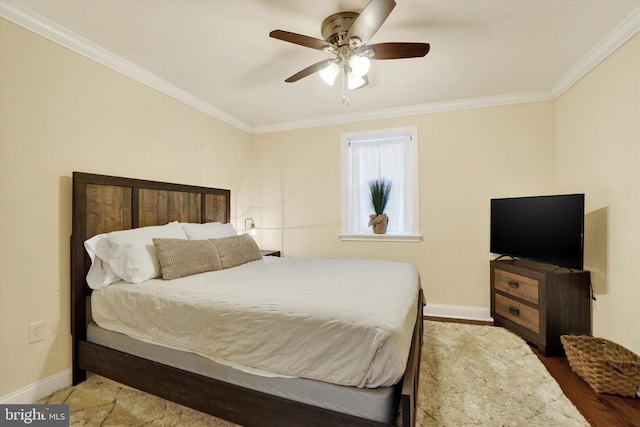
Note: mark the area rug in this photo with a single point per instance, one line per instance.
(486, 376)
(470, 376)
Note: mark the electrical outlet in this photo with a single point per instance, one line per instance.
(36, 331)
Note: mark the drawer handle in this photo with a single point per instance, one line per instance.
(515, 311)
(514, 284)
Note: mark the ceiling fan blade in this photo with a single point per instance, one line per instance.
(309, 70)
(366, 82)
(300, 39)
(397, 50)
(371, 19)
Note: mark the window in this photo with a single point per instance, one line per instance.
(391, 154)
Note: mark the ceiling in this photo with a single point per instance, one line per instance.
(217, 55)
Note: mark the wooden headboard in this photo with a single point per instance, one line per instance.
(106, 203)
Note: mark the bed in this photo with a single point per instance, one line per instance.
(104, 204)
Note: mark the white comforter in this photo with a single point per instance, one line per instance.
(347, 322)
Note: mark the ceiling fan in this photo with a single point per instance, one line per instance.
(345, 36)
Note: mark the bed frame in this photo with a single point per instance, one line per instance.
(105, 203)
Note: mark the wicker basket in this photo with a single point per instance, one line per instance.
(606, 366)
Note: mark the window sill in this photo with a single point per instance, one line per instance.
(380, 237)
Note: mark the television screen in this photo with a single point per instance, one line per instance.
(548, 229)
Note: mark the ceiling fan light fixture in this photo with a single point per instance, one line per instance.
(355, 42)
(346, 36)
(329, 73)
(354, 81)
(359, 65)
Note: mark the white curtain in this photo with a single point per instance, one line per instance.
(374, 159)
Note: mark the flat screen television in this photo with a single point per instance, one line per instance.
(547, 229)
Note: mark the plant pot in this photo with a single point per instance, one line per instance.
(379, 223)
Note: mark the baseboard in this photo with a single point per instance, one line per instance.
(458, 312)
(39, 389)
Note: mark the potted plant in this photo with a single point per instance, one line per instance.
(380, 190)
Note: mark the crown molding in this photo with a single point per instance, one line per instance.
(410, 110)
(42, 26)
(612, 42)
(15, 12)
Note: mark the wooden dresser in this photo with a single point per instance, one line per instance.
(540, 302)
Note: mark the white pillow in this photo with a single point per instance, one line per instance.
(132, 255)
(100, 274)
(209, 230)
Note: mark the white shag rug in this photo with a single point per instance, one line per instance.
(475, 375)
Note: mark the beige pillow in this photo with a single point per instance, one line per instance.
(180, 258)
(237, 250)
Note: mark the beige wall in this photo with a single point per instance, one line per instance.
(60, 113)
(598, 135)
(465, 158)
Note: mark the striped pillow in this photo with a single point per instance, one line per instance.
(237, 250)
(180, 258)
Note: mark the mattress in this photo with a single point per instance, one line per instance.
(345, 322)
(377, 404)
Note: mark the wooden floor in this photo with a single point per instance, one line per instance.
(601, 410)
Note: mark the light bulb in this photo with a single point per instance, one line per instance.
(329, 73)
(354, 81)
(359, 65)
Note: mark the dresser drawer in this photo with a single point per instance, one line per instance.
(518, 313)
(522, 287)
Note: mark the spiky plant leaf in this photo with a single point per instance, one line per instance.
(380, 190)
